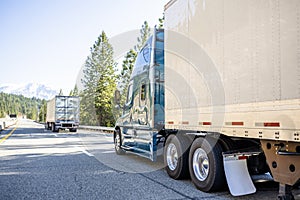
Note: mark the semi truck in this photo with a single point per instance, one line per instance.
(217, 93)
(63, 113)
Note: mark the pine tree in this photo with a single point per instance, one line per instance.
(161, 22)
(144, 35)
(61, 93)
(75, 91)
(87, 96)
(89, 81)
(43, 111)
(99, 84)
(106, 84)
(128, 62)
(127, 67)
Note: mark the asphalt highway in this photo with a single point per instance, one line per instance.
(39, 164)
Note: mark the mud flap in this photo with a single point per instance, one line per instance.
(237, 175)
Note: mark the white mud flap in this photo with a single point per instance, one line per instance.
(237, 175)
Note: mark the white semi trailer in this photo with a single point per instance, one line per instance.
(63, 113)
(219, 91)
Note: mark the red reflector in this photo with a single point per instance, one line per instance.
(206, 123)
(186, 123)
(271, 124)
(170, 122)
(237, 123)
(242, 157)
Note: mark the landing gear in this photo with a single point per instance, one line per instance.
(285, 192)
(284, 162)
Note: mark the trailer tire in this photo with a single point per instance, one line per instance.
(118, 142)
(206, 165)
(176, 152)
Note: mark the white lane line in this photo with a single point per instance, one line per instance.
(108, 151)
(85, 152)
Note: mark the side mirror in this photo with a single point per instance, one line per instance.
(117, 97)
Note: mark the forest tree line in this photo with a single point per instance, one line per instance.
(24, 107)
(31, 108)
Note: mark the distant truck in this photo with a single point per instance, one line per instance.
(63, 113)
(13, 116)
(217, 93)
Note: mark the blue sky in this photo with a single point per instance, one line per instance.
(47, 41)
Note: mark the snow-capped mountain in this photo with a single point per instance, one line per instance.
(30, 90)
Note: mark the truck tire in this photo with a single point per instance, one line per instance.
(206, 165)
(118, 142)
(176, 153)
(54, 130)
(48, 127)
(73, 130)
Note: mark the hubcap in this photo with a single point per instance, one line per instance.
(200, 164)
(172, 156)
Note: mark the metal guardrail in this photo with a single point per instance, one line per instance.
(5, 123)
(98, 128)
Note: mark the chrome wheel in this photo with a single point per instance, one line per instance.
(176, 156)
(172, 156)
(206, 164)
(200, 164)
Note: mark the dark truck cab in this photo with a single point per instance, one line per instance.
(143, 113)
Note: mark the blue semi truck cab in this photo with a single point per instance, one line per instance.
(143, 113)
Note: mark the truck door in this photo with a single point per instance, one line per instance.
(127, 130)
(142, 126)
(141, 110)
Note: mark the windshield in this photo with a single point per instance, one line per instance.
(143, 59)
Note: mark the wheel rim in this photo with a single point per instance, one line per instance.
(172, 156)
(200, 164)
(117, 142)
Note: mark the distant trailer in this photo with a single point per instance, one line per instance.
(13, 116)
(63, 113)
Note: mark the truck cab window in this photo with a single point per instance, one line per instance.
(159, 48)
(146, 53)
(143, 92)
(143, 57)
